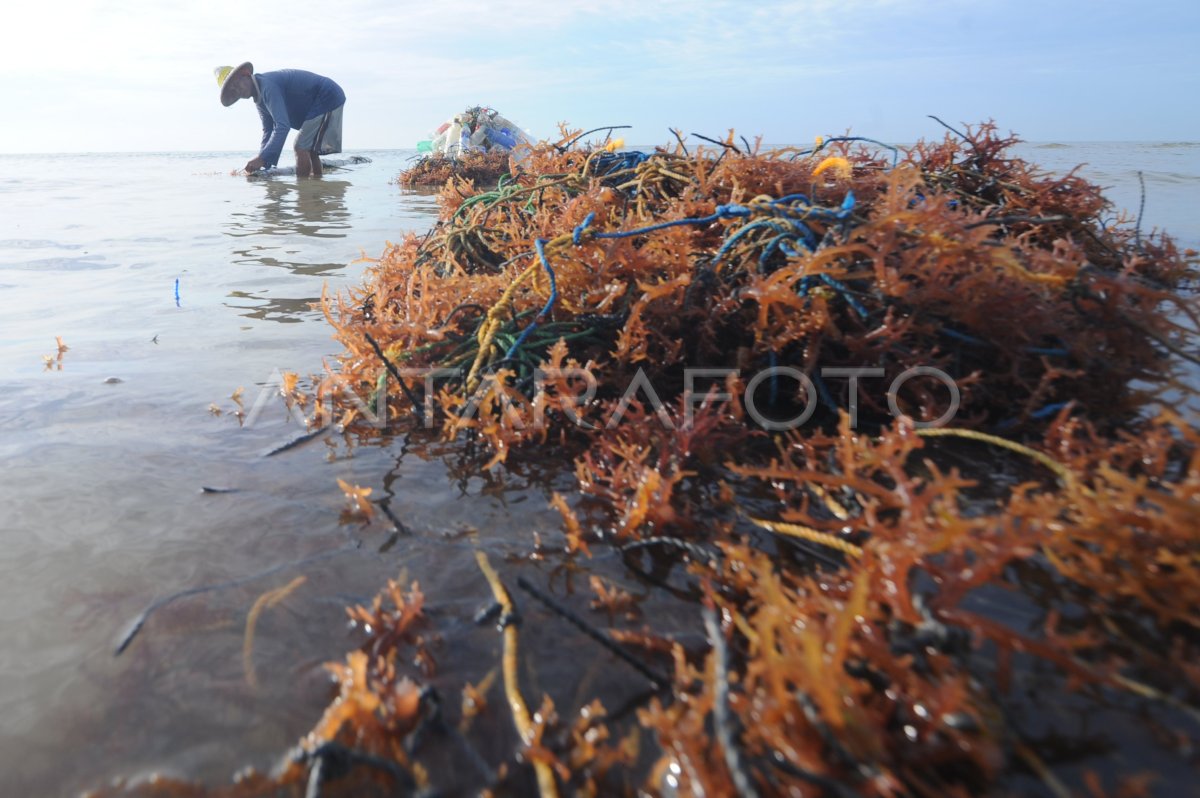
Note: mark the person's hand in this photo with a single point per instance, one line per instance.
(254, 164)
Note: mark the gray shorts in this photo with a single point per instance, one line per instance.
(322, 134)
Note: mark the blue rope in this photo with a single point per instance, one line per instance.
(809, 212)
(810, 238)
(859, 307)
(609, 162)
(781, 206)
(785, 208)
(779, 242)
(723, 212)
(806, 286)
(920, 198)
(577, 233)
(959, 336)
(1033, 350)
(729, 211)
(1041, 413)
(733, 239)
(540, 245)
(823, 392)
(1048, 410)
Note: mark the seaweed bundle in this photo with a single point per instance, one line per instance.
(478, 166)
(957, 257)
(989, 508)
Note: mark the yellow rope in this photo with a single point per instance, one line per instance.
(495, 322)
(1039, 767)
(265, 601)
(839, 512)
(835, 542)
(516, 703)
(837, 164)
(492, 325)
(1058, 468)
(811, 535)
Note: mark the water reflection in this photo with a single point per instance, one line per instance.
(314, 209)
(286, 310)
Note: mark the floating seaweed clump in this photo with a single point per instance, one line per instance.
(887, 436)
(481, 167)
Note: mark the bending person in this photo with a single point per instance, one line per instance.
(288, 99)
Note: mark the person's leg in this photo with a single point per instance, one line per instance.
(304, 162)
(309, 142)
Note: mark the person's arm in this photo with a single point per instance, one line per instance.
(274, 117)
(268, 126)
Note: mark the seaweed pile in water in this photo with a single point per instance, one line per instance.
(933, 492)
(481, 167)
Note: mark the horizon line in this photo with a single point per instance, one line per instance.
(765, 146)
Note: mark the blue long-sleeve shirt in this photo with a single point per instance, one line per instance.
(287, 98)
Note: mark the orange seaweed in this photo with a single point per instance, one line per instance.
(888, 609)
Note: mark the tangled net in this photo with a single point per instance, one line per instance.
(864, 604)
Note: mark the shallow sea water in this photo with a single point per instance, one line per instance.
(102, 461)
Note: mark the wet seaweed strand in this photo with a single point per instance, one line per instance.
(526, 728)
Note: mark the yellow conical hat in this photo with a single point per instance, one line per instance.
(223, 73)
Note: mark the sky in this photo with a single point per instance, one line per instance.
(136, 75)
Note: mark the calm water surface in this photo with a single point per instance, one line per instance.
(103, 460)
